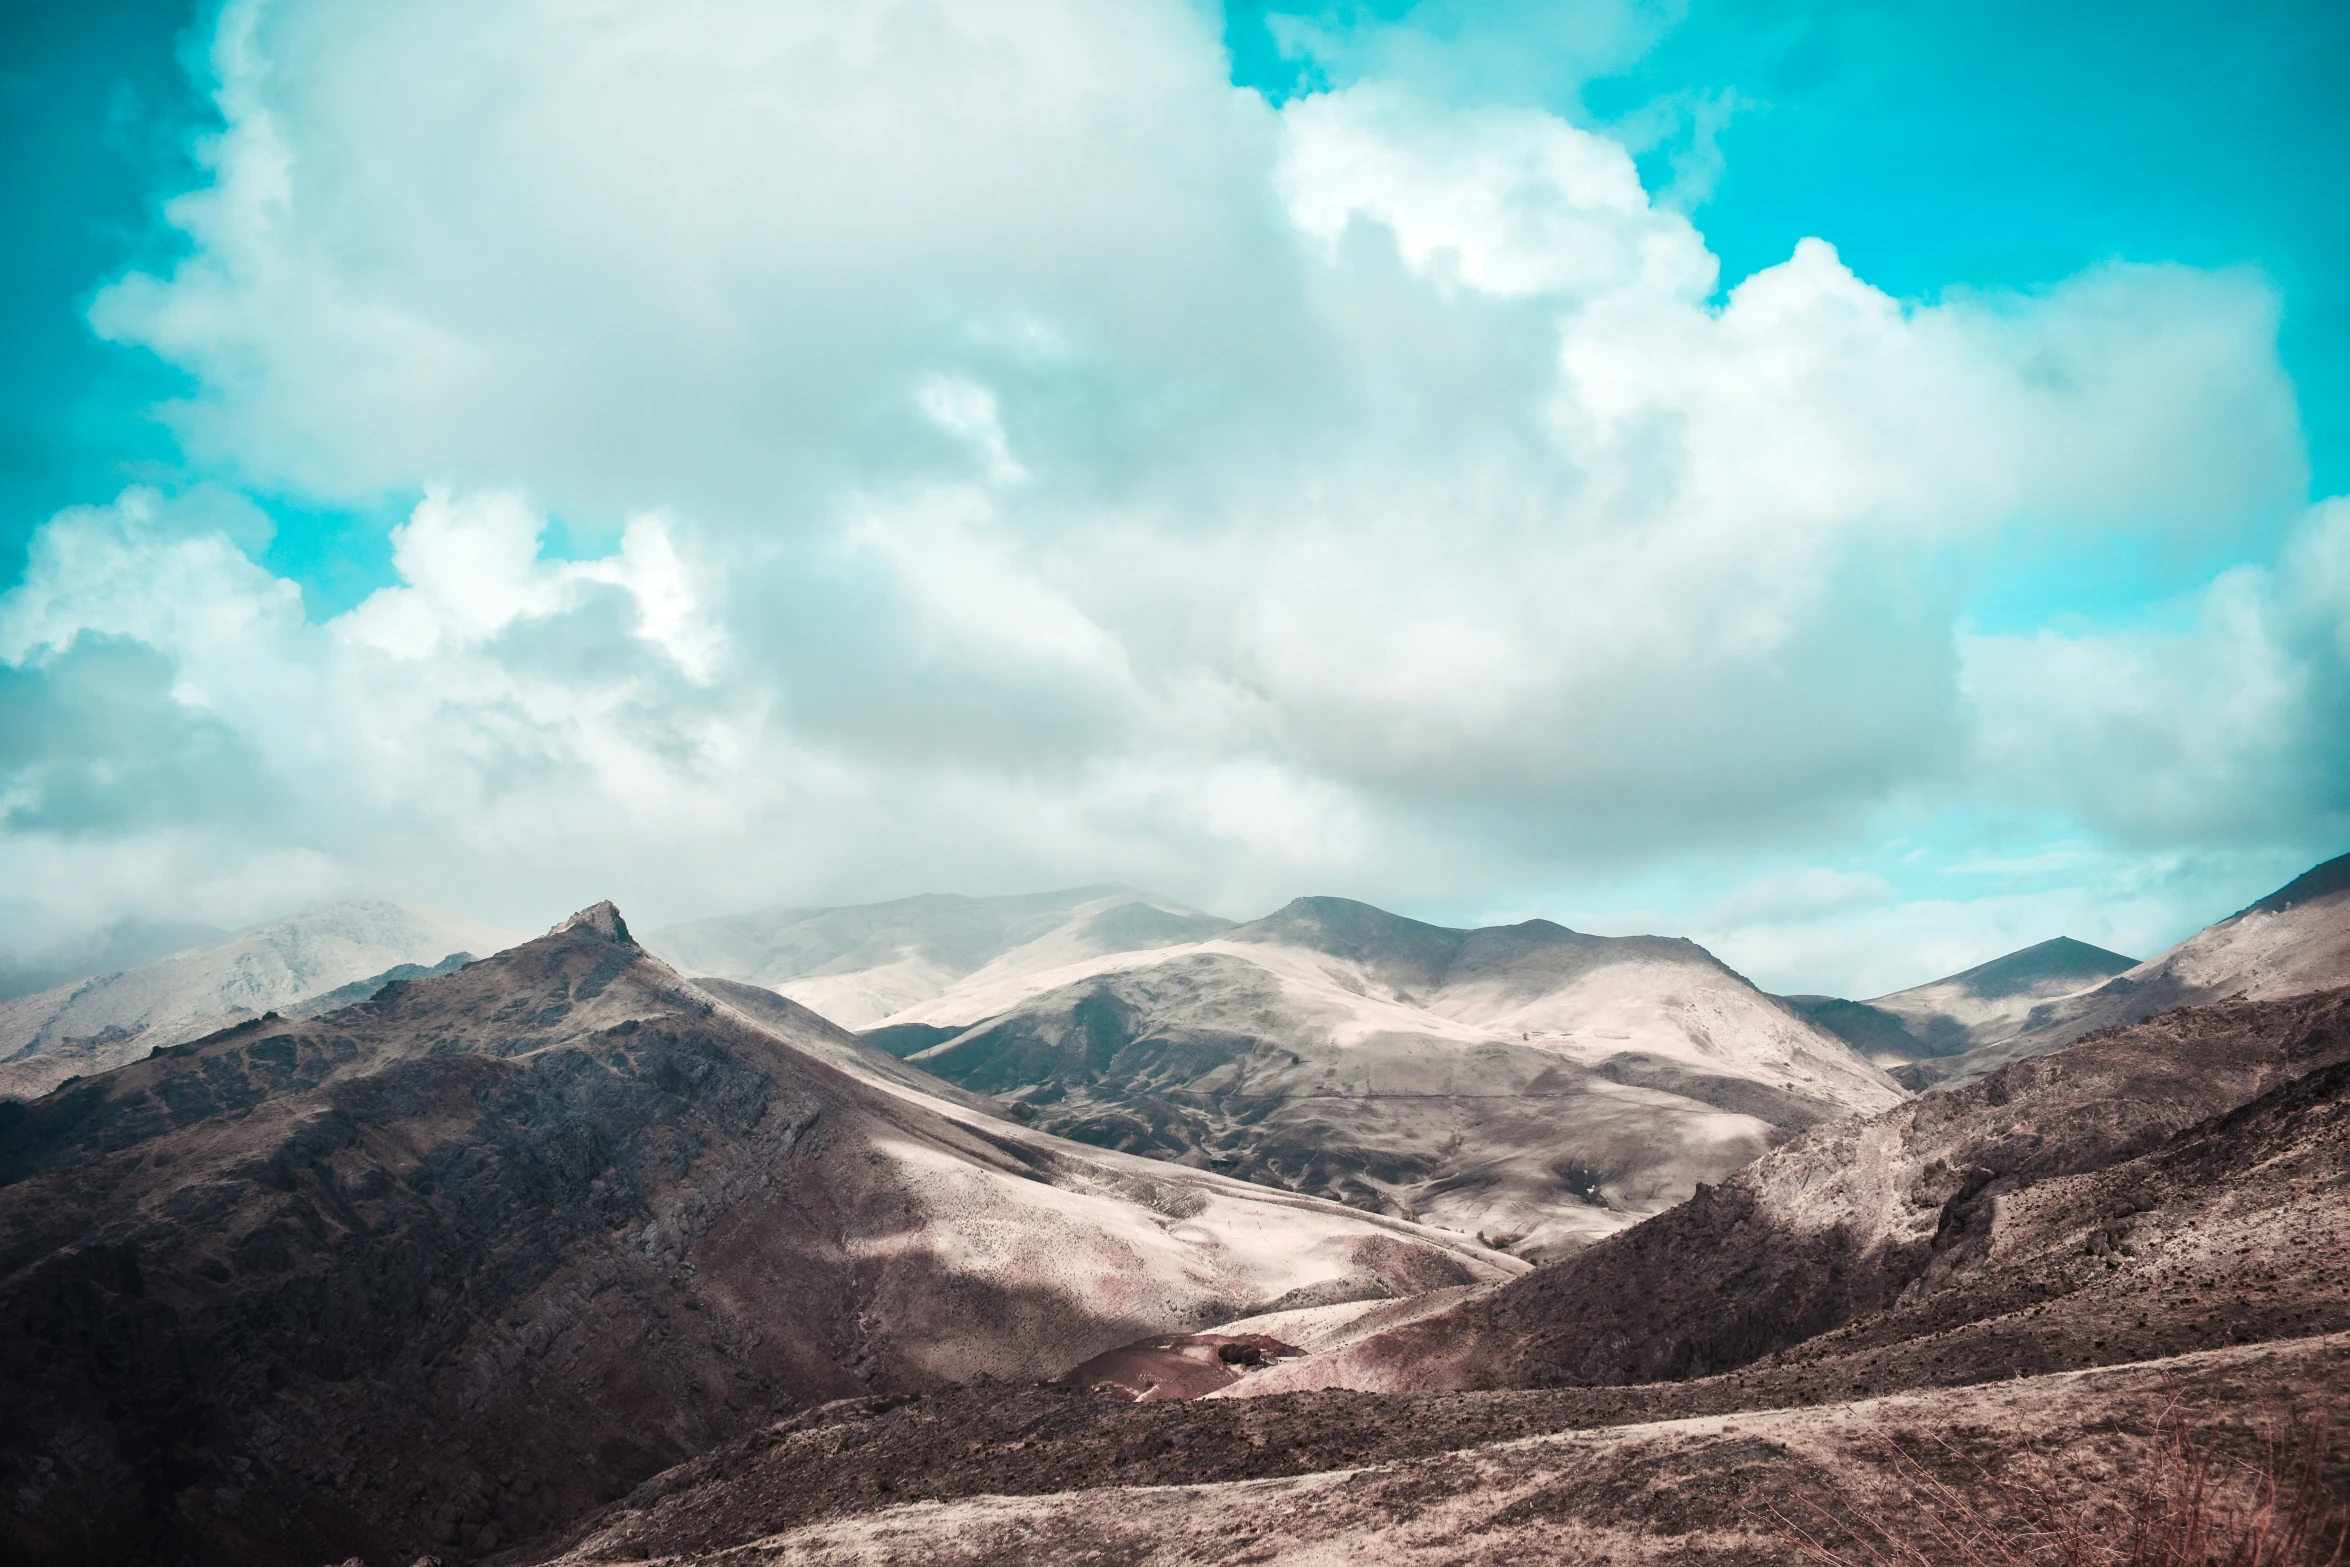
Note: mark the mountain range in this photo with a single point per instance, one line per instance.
(1526, 1083)
(2049, 1306)
(443, 1268)
(862, 964)
(562, 1254)
(2028, 1003)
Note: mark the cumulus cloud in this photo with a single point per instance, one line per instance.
(1033, 459)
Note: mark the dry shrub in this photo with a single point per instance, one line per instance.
(2194, 1506)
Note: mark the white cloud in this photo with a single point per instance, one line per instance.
(2224, 718)
(1036, 460)
(472, 569)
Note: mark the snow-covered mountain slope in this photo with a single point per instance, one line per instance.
(2291, 943)
(103, 1021)
(1983, 1005)
(561, 1215)
(1528, 1083)
(860, 964)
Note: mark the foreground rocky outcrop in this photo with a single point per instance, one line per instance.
(1475, 1480)
(441, 1270)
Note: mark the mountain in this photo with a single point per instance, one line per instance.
(125, 944)
(2087, 1301)
(447, 1267)
(364, 989)
(1525, 1083)
(1985, 1004)
(1880, 1229)
(859, 964)
(107, 1019)
(2290, 943)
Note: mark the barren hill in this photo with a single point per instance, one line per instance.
(2290, 943)
(1982, 1005)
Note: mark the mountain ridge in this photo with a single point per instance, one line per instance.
(862, 963)
(1527, 1083)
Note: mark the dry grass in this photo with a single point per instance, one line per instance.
(2193, 1506)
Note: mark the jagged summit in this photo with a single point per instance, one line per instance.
(602, 918)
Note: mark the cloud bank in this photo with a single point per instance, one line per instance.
(1026, 458)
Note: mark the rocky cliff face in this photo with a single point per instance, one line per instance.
(439, 1270)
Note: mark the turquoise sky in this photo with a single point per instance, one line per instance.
(1987, 152)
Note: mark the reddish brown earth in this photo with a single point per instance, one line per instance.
(2152, 1228)
(1176, 1366)
(443, 1270)
(1438, 1481)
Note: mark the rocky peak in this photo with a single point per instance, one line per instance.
(601, 918)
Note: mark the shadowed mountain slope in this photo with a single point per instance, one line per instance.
(446, 1267)
(859, 964)
(104, 1020)
(1527, 1083)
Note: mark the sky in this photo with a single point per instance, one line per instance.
(1858, 484)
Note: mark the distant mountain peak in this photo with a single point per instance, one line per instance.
(2033, 967)
(1401, 951)
(601, 918)
(1342, 919)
